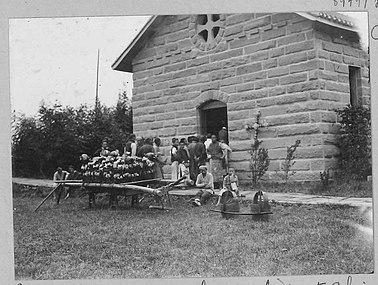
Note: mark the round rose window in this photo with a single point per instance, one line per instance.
(206, 31)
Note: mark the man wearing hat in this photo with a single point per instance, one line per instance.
(204, 181)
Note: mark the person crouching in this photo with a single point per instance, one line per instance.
(204, 181)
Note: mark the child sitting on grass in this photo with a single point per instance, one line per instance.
(231, 184)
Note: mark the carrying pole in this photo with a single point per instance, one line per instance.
(48, 196)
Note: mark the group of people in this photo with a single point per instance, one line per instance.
(133, 147)
(203, 160)
(137, 147)
(61, 174)
(230, 186)
(187, 155)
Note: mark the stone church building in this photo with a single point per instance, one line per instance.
(194, 74)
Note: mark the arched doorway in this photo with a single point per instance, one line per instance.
(213, 116)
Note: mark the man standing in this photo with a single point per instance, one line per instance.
(193, 167)
(200, 155)
(216, 154)
(205, 182)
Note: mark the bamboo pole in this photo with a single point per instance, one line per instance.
(170, 185)
(48, 196)
(67, 181)
(118, 186)
(126, 183)
(164, 190)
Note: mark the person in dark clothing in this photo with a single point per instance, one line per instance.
(185, 143)
(142, 151)
(139, 144)
(146, 148)
(104, 150)
(200, 152)
(72, 175)
(193, 167)
(183, 160)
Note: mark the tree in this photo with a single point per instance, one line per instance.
(27, 158)
(123, 113)
(58, 135)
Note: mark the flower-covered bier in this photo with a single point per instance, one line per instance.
(117, 169)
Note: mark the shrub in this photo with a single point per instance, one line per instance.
(259, 161)
(355, 142)
(289, 160)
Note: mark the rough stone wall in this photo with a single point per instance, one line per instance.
(282, 65)
(336, 51)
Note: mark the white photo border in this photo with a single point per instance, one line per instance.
(89, 8)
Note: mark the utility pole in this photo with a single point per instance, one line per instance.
(97, 103)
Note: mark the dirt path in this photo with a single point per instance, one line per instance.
(291, 198)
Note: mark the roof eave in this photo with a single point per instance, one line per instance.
(123, 62)
(314, 17)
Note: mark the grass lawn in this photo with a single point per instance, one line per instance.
(67, 242)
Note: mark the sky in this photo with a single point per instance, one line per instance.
(361, 21)
(55, 59)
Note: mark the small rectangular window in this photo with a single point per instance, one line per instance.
(354, 85)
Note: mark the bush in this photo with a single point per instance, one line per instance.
(59, 135)
(355, 143)
(259, 161)
(289, 161)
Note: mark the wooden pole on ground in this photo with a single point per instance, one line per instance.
(48, 196)
(165, 190)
